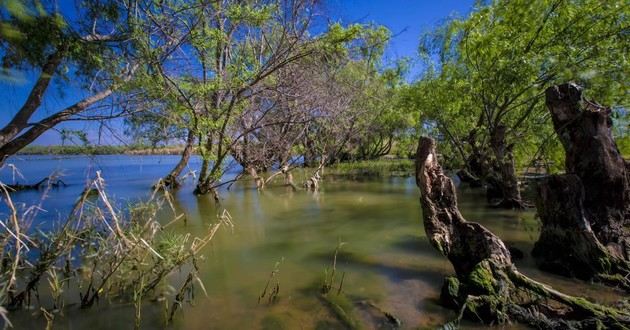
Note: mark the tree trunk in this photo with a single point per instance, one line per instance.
(567, 244)
(476, 167)
(488, 287)
(464, 243)
(20, 121)
(205, 187)
(13, 146)
(584, 128)
(503, 190)
(288, 178)
(259, 181)
(584, 210)
(171, 179)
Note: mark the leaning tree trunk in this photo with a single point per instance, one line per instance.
(171, 179)
(584, 128)
(584, 210)
(488, 287)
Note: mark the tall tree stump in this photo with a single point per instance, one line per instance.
(567, 244)
(584, 212)
(584, 128)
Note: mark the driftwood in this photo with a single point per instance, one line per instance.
(487, 286)
(43, 183)
(584, 211)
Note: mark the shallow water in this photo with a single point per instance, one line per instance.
(386, 257)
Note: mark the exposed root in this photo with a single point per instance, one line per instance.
(488, 287)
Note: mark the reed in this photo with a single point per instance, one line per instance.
(99, 251)
(381, 167)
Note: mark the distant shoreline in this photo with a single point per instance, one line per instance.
(101, 150)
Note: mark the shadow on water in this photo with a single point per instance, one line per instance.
(395, 273)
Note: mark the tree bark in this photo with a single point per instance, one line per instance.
(584, 128)
(171, 179)
(37, 129)
(34, 100)
(464, 243)
(567, 244)
(488, 287)
(503, 190)
(584, 210)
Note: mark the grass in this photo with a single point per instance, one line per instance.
(381, 167)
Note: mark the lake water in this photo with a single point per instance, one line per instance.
(386, 257)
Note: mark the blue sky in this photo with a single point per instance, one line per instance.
(407, 19)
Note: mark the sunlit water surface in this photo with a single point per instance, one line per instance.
(386, 257)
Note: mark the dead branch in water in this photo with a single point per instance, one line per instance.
(45, 182)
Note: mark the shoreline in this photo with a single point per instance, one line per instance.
(100, 150)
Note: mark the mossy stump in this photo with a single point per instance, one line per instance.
(488, 288)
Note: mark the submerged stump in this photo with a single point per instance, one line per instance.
(585, 212)
(487, 286)
(584, 128)
(567, 244)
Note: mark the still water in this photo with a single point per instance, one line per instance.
(386, 257)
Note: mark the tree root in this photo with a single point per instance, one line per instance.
(488, 287)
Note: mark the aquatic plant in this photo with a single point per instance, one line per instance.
(99, 251)
(381, 167)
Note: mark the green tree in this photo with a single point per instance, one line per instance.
(233, 50)
(493, 67)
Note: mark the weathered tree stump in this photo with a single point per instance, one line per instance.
(488, 287)
(567, 244)
(583, 212)
(584, 128)
(464, 243)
